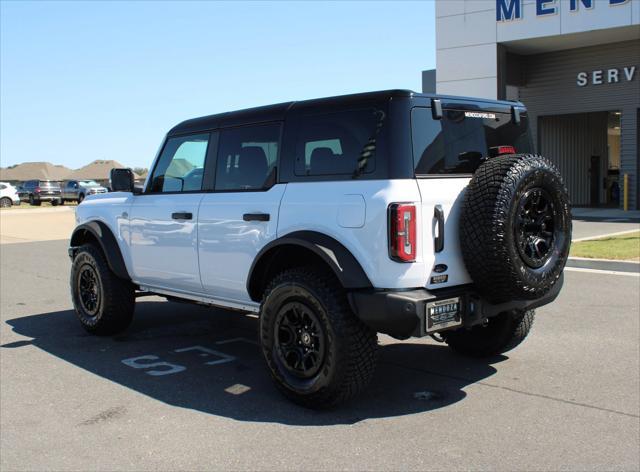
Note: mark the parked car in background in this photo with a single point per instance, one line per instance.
(8, 195)
(77, 190)
(38, 191)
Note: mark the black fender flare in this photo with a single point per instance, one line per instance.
(343, 264)
(107, 241)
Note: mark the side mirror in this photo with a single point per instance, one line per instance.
(121, 180)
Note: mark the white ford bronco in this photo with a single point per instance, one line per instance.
(336, 219)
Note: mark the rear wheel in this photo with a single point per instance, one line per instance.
(500, 334)
(54, 202)
(319, 353)
(5, 202)
(103, 303)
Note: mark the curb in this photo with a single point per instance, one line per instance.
(604, 264)
(594, 238)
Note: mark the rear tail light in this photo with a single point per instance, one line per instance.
(402, 232)
(37, 190)
(501, 150)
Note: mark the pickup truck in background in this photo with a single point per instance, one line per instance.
(77, 190)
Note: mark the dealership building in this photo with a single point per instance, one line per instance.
(576, 66)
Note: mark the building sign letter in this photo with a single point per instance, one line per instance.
(596, 77)
(574, 4)
(542, 8)
(508, 9)
(629, 72)
(582, 79)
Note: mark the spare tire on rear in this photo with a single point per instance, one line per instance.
(515, 229)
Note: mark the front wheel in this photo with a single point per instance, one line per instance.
(319, 353)
(103, 303)
(5, 202)
(80, 198)
(500, 334)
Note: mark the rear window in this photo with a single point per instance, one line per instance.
(341, 143)
(461, 140)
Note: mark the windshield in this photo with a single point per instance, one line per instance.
(89, 183)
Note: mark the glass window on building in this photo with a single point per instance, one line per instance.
(612, 183)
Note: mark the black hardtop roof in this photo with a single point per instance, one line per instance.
(278, 111)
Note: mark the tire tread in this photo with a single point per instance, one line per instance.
(358, 363)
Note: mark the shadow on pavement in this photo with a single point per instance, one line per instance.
(207, 360)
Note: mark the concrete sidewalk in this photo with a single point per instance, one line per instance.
(46, 224)
(605, 214)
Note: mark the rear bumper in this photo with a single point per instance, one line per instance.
(48, 198)
(402, 314)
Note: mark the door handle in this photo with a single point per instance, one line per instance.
(256, 217)
(182, 215)
(438, 214)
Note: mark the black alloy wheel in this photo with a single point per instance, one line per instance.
(89, 289)
(535, 227)
(300, 340)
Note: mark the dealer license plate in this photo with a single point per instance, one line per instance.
(443, 314)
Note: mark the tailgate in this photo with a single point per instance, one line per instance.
(447, 194)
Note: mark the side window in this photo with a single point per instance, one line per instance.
(3, 186)
(247, 157)
(427, 140)
(341, 143)
(180, 167)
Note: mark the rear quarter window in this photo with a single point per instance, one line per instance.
(340, 143)
(459, 142)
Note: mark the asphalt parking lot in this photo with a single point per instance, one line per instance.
(185, 388)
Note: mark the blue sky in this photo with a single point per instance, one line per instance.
(84, 80)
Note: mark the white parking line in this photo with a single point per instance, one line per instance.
(599, 271)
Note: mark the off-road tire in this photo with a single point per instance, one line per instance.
(5, 202)
(501, 334)
(116, 296)
(350, 349)
(489, 224)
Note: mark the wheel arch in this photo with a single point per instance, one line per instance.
(301, 248)
(98, 232)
